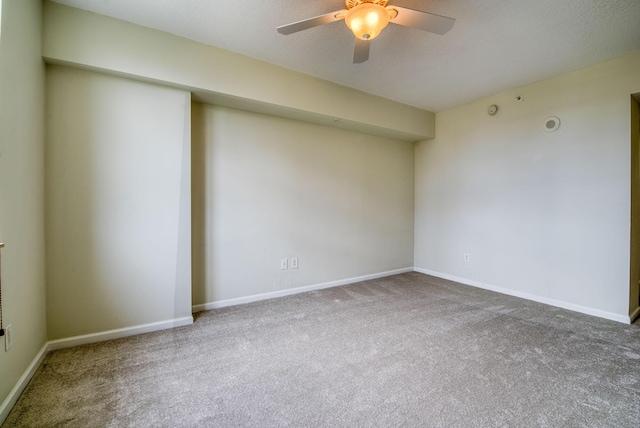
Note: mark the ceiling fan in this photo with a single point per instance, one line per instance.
(367, 18)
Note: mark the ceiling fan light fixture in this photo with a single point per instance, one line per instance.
(367, 20)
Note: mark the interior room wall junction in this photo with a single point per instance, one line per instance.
(267, 188)
(22, 92)
(541, 215)
(118, 203)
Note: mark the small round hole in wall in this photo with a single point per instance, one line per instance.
(493, 110)
(551, 124)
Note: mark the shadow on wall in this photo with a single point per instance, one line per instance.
(198, 204)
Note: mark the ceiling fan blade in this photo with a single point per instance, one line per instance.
(422, 20)
(305, 24)
(361, 51)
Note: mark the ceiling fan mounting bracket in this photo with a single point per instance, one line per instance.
(353, 3)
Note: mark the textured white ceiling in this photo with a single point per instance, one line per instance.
(495, 45)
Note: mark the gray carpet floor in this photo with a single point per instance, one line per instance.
(408, 350)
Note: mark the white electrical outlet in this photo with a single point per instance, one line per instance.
(294, 263)
(283, 264)
(8, 337)
(466, 257)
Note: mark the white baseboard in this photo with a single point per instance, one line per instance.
(281, 293)
(53, 345)
(118, 333)
(626, 319)
(13, 396)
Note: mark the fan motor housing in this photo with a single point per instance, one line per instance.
(353, 3)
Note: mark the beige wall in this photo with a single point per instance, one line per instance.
(543, 215)
(21, 187)
(117, 203)
(267, 188)
(634, 291)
